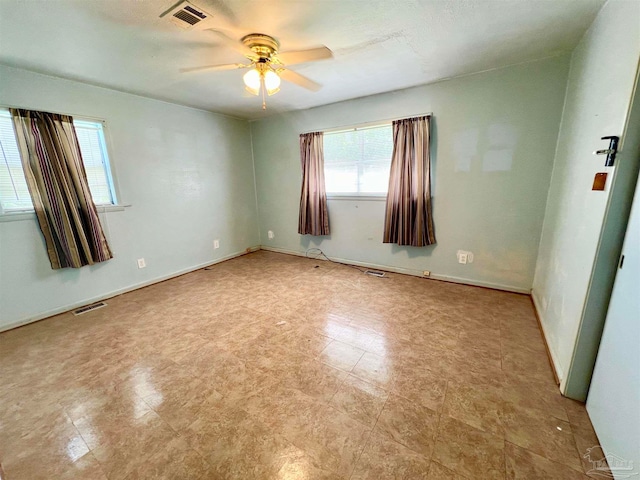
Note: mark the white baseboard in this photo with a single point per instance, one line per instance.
(408, 271)
(554, 356)
(120, 291)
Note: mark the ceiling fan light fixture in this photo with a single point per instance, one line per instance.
(252, 91)
(271, 82)
(260, 78)
(252, 81)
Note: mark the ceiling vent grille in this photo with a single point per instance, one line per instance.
(188, 16)
(88, 308)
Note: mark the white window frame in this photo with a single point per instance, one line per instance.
(381, 196)
(105, 144)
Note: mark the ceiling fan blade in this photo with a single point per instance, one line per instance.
(302, 56)
(237, 45)
(213, 68)
(294, 77)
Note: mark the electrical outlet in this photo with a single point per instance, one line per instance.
(426, 273)
(216, 243)
(464, 256)
(141, 263)
(270, 234)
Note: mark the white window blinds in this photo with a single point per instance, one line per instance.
(14, 192)
(94, 156)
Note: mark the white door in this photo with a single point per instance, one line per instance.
(614, 396)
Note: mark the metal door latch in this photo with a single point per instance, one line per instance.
(609, 152)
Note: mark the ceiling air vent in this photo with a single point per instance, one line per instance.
(88, 308)
(188, 16)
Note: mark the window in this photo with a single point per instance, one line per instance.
(96, 163)
(14, 193)
(357, 161)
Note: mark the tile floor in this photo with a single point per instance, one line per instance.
(271, 366)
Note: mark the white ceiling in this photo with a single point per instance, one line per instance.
(379, 45)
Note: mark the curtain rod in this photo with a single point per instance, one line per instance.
(78, 116)
(346, 128)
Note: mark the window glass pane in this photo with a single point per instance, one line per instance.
(14, 193)
(342, 147)
(341, 178)
(358, 161)
(378, 144)
(94, 156)
(374, 178)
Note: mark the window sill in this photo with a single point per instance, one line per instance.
(16, 216)
(111, 208)
(368, 198)
(31, 215)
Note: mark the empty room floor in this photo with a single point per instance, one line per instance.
(271, 366)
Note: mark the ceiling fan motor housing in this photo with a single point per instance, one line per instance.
(263, 45)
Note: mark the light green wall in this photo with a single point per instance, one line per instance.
(599, 88)
(494, 137)
(188, 175)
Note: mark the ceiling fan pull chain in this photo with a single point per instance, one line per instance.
(264, 92)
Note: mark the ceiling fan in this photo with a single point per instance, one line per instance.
(267, 66)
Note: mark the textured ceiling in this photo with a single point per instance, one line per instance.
(379, 45)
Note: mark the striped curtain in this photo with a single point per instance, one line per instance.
(314, 217)
(57, 182)
(408, 219)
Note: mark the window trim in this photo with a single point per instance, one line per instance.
(19, 215)
(373, 123)
(105, 143)
(370, 196)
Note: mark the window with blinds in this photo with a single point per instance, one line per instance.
(96, 163)
(357, 161)
(14, 193)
